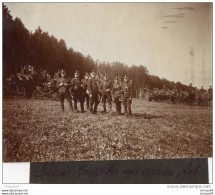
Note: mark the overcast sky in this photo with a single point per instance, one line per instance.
(173, 40)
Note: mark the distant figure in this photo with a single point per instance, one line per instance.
(12, 86)
(86, 92)
(63, 84)
(191, 96)
(210, 92)
(57, 76)
(93, 92)
(49, 81)
(164, 88)
(106, 88)
(100, 79)
(77, 91)
(174, 94)
(29, 84)
(127, 96)
(202, 90)
(117, 91)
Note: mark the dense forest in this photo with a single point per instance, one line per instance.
(45, 52)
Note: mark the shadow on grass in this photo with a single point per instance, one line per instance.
(140, 115)
(145, 116)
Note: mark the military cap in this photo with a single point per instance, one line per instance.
(63, 71)
(76, 72)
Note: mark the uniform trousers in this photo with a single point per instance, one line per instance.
(117, 104)
(79, 97)
(94, 101)
(65, 95)
(127, 105)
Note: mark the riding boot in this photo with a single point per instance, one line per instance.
(104, 106)
(117, 108)
(126, 111)
(70, 105)
(95, 109)
(91, 108)
(110, 108)
(62, 106)
(129, 112)
(120, 108)
(88, 102)
(75, 105)
(82, 107)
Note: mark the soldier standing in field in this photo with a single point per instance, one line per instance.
(29, 84)
(77, 91)
(93, 92)
(127, 96)
(63, 84)
(210, 92)
(191, 96)
(86, 93)
(57, 76)
(106, 88)
(100, 78)
(117, 90)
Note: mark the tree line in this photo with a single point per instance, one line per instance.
(46, 52)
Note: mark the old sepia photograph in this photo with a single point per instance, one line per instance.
(106, 81)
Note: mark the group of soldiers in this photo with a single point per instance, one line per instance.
(192, 95)
(94, 89)
(23, 79)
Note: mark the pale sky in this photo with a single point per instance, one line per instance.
(173, 40)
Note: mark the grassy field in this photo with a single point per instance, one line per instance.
(36, 130)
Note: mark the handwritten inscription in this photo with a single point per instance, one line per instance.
(113, 170)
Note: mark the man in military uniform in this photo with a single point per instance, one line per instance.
(49, 82)
(106, 87)
(29, 84)
(100, 79)
(86, 93)
(127, 96)
(63, 84)
(57, 76)
(117, 90)
(77, 91)
(93, 92)
(174, 94)
(191, 96)
(202, 90)
(210, 92)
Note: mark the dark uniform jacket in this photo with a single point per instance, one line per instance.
(92, 86)
(175, 91)
(126, 90)
(76, 86)
(191, 89)
(210, 90)
(201, 91)
(117, 89)
(106, 87)
(63, 84)
(84, 83)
